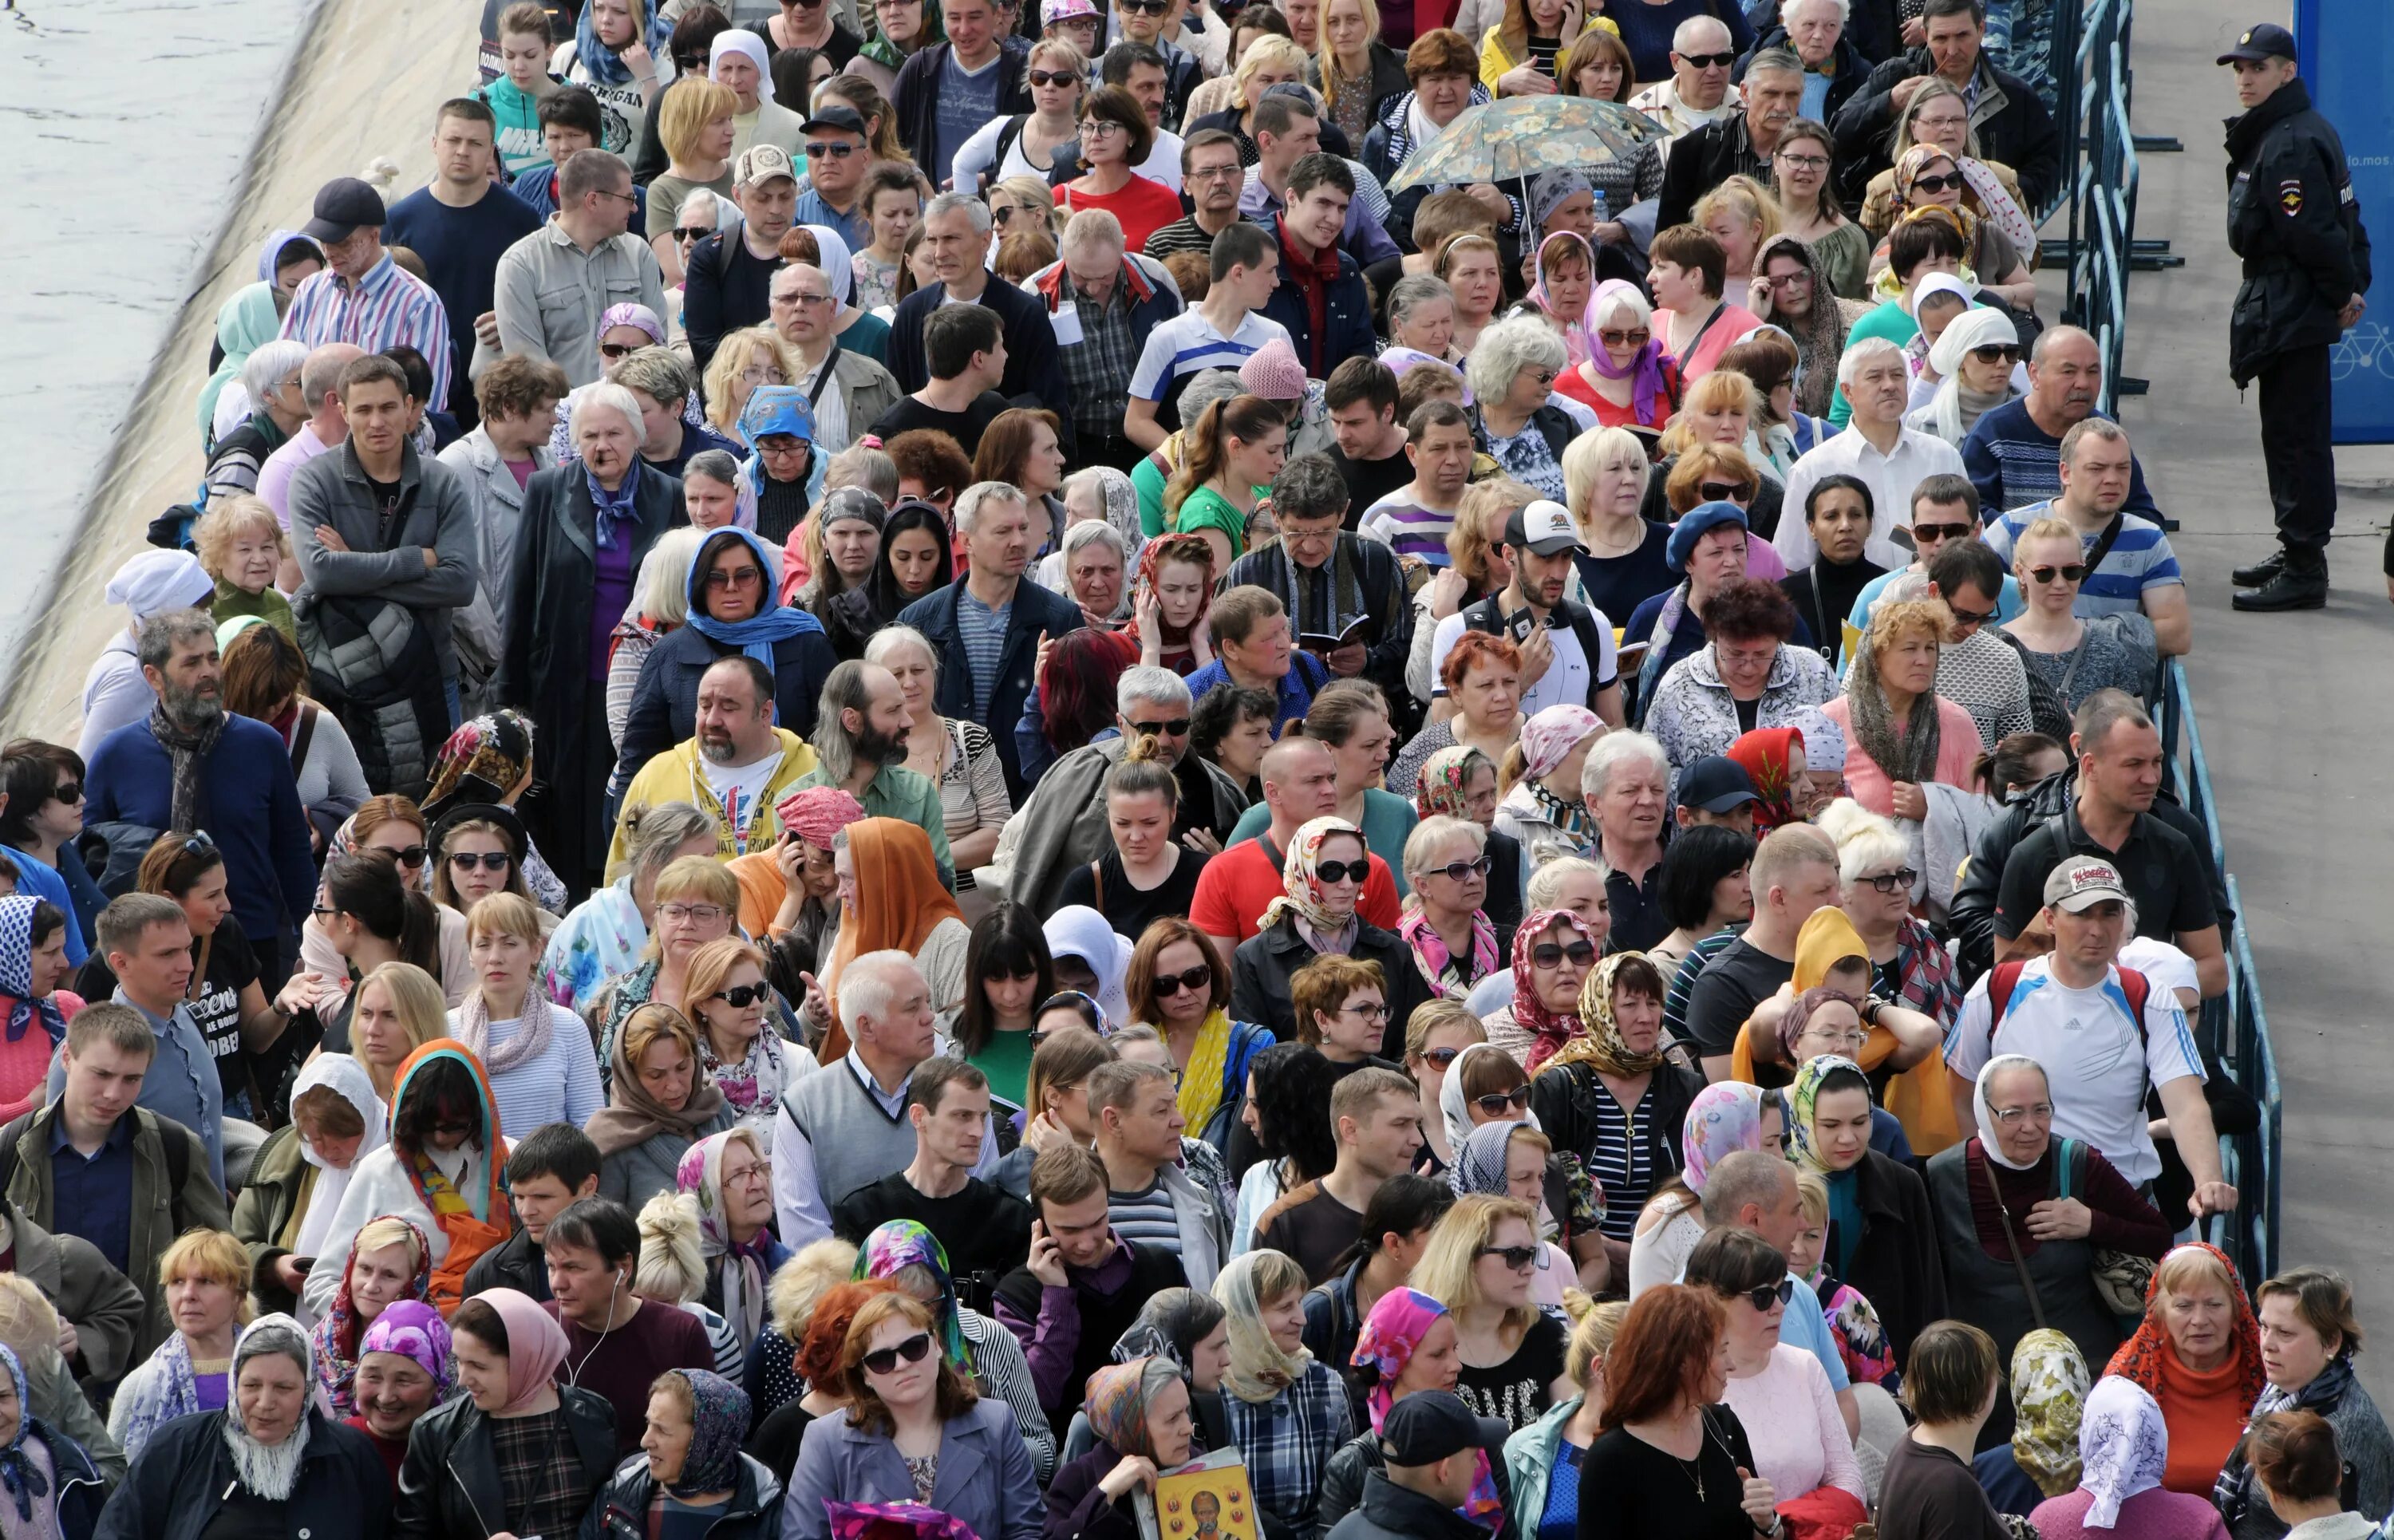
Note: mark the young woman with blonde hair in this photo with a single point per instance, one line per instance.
(1479, 1263)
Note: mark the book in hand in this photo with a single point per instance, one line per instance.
(1323, 641)
(1206, 1499)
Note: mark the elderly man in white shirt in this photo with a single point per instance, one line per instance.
(1696, 93)
(1889, 458)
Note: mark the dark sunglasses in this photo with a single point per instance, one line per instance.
(1549, 955)
(1941, 531)
(613, 350)
(1052, 78)
(2004, 351)
(490, 861)
(1520, 1258)
(1637, 337)
(1888, 882)
(1969, 619)
(837, 152)
(2075, 572)
(1339, 871)
(740, 996)
(1708, 62)
(1456, 871)
(199, 843)
(1951, 181)
(412, 855)
(687, 233)
(1767, 1294)
(739, 577)
(1147, 7)
(69, 793)
(1442, 1058)
(913, 1351)
(1176, 726)
(1721, 492)
(1494, 1102)
(1169, 984)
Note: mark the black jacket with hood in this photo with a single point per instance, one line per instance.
(2293, 217)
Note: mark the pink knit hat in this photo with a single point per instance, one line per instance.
(1274, 371)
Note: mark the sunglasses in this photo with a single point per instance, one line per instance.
(1638, 337)
(1888, 882)
(1707, 61)
(1169, 984)
(1339, 871)
(412, 855)
(739, 577)
(1970, 619)
(688, 234)
(1442, 1058)
(1520, 1258)
(1552, 955)
(913, 1351)
(1146, 8)
(1768, 1295)
(837, 152)
(1053, 77)
(2075, 572)
(1457, 870)
(1950, 182)
(69, 792)
(1940, 531)
(199, 843)
(740, 996)
(1996, 353)
(615, 349)
(1721, 492)
(1495, 1102)
(1176, 726)
(490, 861)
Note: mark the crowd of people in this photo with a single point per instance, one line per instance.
(912, 762)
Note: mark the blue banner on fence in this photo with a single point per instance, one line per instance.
(2345, 46)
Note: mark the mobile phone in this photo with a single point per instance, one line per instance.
(1520, 624)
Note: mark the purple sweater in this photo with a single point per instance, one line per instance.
(2156, 1514)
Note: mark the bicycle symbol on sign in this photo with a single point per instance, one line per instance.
(2367, 346)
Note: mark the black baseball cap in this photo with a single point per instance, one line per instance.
(2267, 41)
(837, 115)
(1716, 783)
(342, 204)
(1429, 1426)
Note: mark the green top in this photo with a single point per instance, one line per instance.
(1890, 320)
(520, 141)
(868, 334)
(1147, 479)
(1388, 821)
(1006, 1062)
(270, 607)
(897, 792)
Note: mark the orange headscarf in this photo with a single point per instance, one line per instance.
(477, 1221)
(899, 899)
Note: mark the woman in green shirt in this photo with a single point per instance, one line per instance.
(1007, 971)
(1231, 453)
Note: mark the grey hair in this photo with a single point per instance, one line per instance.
(860, 465)
(715, 465)
(1413, 291)
(1618, 748)
(1864, 839)
(656, 372)
(1859, 352)
(894, 638)
(1095, 531)
(320, 376)
(1683, 36)
(1153, 685)
(652, 834)
(270, 364)
(869, 986)
(273, 1333)
(949, 202)
(168, 629)
(1509, 347)
(1787, 11)
(665, 596)
(1435, 834)
(614, 398)
(1308, 486)
(1783, 61)
(1744, 1177)
(848, 686)
(1092, 229)
(1205, 387)
(705, 199)
(970, 501)
(1626, 297)
(2052, 334)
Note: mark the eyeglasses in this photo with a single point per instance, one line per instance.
(1173, 728)
(704, 913)
(1888, 882)
(1369, 1013)
(913, 1351)
(1520, 1258)
(1805, 163)
(323, 910)
(1169, 984)
(410, 856)
(1495, 1102)
(1950, 182)
(1839, 1042)
(1796, 280)
(757, 1175)
(1214, 174)
(2075, 572)
(1100, 128)
(1545, 377)
(1637, 337)
(1721, 492)
(1767, 1294)
(1460, 871)
(739, 577)
(1551, 956)
(740, 996)
(1000, 213)
(68, 792)
(1052, 78)
(615, 349)
(837, 152)
(1441, 1057)
(761, 373)
(1341, 871)
(490, 861)
(1926, 534)
(631, 197)
(1706, 62)
(685, 236)
(794, 297)
(2010, 1116)
(1996, 352)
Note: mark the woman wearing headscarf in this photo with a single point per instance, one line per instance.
(1773, 758)
(267, 1463)
(1882, 1236)
(1287, 1413)
(1461, 782)
(2123, 1449)
(1407, 1345)
(1973, 368)
(784, 479)
(1189, 1329)
(489, 760)
(402, 1372)
(621, 52)
(1139, 1411)
(2049, 1395)
(252, 318)
(388, 1261)
(1321, 878)
(1625, 378)
(517, 1453)
(1930, 181)
(1808, 309)
(1553, 951)
(36, 1009)
(1544, 809)
(660, 1103)
(1168, 600)
(51, 1487)
(735, 1217)
(693, 1475)
(1502, 1158)
(892, 899)
(1897, 1045)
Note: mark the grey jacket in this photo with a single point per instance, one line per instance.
(1063, 824)
(637, 1173)
(551, 292)
(58, 1400)
(101, 1303)
(497, 505)
(985, 1476)
(436, 513)
(868, 388)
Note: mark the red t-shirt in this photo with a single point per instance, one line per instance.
(1238, 885)
(1572, 383)
(1144, 205)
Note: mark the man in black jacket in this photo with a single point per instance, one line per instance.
(945, 91)
(956, 230)
(2293, 218)
(1703, 159)
(1335, 585)
(2006, 113)
(550, 1167)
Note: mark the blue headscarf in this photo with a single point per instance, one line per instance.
(17, 971)
(780, 409)
(616, 508)
(600, 63)
(757, 634)
(18, 1474)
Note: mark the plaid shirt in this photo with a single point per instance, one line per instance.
(540, 1472)
(1288, 1441)
(389, 305)
(1099, 368)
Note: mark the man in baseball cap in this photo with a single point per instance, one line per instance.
(837, 153)
(1716, 789)
(1568, 656)
(1438, 1453)
(2265, 42)
(361, 296)
(730, 282)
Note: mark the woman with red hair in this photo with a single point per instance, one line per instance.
(1175, 584)
(1074, 699)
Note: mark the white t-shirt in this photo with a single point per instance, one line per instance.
(2087, 1042)
(1566, 681)
(737, 787)
(1187, 343)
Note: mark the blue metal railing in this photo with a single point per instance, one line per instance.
(2099, 154)
(2237, 1026)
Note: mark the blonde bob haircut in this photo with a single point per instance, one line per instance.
(227, 520)
(1892, 624)
(1722, 390)
(1590, 456)
(2188, 1268)
(1748, 200)
(799, 1284)
(389, 1231)
(217, 1257)
(1701, 463)
(1448, 1271)
(1270, 49)
(709, 967)
(1437, 1016)
(687, 110)
(701, 878)
(28, 1321)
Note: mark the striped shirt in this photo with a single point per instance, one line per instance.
(388, 307)
(1410, 529)
(1621, 1158)
(983, 630)
(1146, 1219)
(2139, 559)
(1189, 343)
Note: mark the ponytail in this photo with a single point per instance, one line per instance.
(419, 931)
(1245, 418)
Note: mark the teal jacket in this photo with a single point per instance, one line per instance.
(1529, 1457)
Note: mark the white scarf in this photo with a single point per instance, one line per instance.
(345, 1074)
(1986, 1114)
(269, 1470)
(1418, 127)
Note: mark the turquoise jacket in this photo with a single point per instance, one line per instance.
(1529, 1457)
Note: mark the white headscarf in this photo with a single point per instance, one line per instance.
(1454, 1110)
(348, 1077)
(269, 1471)
(155, 581)
(1077, 931)
(838, 265)
(1986, 1113)
(2123, 1446)
(1982, 327)
(735, 41)
(1936, 282)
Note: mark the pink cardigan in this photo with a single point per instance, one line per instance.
(2152, 1514)
(1958, 748)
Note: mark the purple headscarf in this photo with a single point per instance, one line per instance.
(413, 1330)
(1647, 367)
(639, 316)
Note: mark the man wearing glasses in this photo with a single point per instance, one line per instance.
(1739, 145)
(835, 161)
(586, 251)
(1943, 509)
(1210, 175)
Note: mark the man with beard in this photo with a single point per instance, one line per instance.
(736, 769)
(190, 766)
(861, 747)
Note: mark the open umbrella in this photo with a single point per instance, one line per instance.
(1516, 139)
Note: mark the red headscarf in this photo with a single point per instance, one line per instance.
(1551, 1028)
(2141, 1357)
(1772, 757)
(1190, 549)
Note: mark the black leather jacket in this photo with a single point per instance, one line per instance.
(622, 1510)
(448, 1485)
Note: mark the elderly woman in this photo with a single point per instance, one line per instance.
(1625, 378)
(2076, 655)
(2309, 1337)
(1421, 322)
(1621, 563)
(1461, 782)
(1091, 566)
(693, 1468)
(2118, 1455)
(1482, 676)
(1543, 808)
(1454, 943)
(1882, 1237)
(2049, 1382)
(1512, 371)
(388, 1261)
(1746, 678)
(242, 544)
(1710, 544)
(404, 1370)
(1900, 732)
(1971, 368)
(46, 1462)
(2013, 1201)
(1323, 876)
(661, 1101)
(1139, 1412)
(586, 528)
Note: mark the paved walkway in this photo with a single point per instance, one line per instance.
(2310, 834)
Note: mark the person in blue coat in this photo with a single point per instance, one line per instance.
(733, 586)
(1322, 299)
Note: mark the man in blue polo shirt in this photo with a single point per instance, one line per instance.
(1252, 650)
(2135, 569)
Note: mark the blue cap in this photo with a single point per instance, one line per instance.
(1716, 783)
(1692, 526)
(2267, 41)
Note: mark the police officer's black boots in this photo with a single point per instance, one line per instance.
(2300, 583)
(2261, 573)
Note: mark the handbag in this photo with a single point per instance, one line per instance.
(2121, 1278)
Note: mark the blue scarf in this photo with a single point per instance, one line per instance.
(615, 508)
(757, 635)
(18, 1474)
(17, 971)
(601, 62)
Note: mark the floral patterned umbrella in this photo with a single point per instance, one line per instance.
(1518, 138)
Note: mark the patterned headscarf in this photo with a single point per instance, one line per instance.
(2141, 1357)
(895, 1521)
(1819, 334)
(904, 1243)
(638, 317)
(1725, 1116)
(1481, 1157)
(17, 971)
(746, 1268)
(1391, 1333)
(2122, 1447)
(336, 1335)
(1800, 1011)
(1169, 1326)
(603, 64)
(414, 1330)
(1771, 757)
(1439, 786)
(20, 1474)
(1260, 1370)
(718, 1420)
(1801, 1149)
(1915, 161)
(1301, 894)
(1603, 1044)
(1117, 1402)
(1548, 737)
(2050, 1398)
(483, 760)
(818, 813)
(1551, 1028)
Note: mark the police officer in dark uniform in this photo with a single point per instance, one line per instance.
(2293, 217)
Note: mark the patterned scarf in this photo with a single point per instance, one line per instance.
(1552, 1029)
(17, 971)
(1772, 758)
(1117, 1402)
(747, 1266)
(1201, 1082)
(1301, 895)
(1803, 1147)
(2232, 1493)
(1819, 334)
(153, 1400)
(1439, 786)
(538, 1021)
(606, 67)
(188, 750)
(1658, 648)
(1911, 757)
(904, 1243)
(620, 506)
(336, 1335)
(1481, 1158)
(414, 1330)
(20, 1475)
(2049, 1388)
(2141, 1357)
(1184, 550)
(1389, 1336)
(718, 1420)
(1603, 1044)
(1451, 980)
(2122, 1447)
(1259, 1369)
(1724, 1117)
